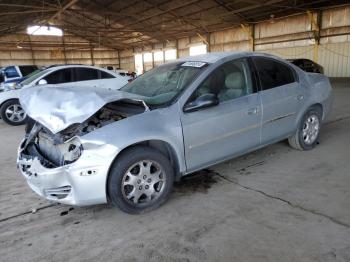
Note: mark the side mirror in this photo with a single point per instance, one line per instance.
(204, 101)
(42, 82)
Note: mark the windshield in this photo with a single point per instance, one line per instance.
(162, 84)
(33, 76)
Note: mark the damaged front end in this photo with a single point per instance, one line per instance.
(60, 167)
(52, 150)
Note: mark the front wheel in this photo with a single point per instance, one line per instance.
(12, 113)
(140, 180)
(308, 131)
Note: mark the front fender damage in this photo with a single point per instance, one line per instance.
(68, 166)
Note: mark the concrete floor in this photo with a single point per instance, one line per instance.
(276, 204)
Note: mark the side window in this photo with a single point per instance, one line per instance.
(273, 73)
(85, 74)
(59, 76)
(105, 75)
(227, 82)
(11, 72)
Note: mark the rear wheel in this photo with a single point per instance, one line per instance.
(140, 180)
(12, 113)
(308, 131)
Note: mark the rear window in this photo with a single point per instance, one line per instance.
(85, 74)
(273, 73)
(105, 75)
(26, 70)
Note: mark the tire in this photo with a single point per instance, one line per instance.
(137, 191)
(307, 134)
(12, 113)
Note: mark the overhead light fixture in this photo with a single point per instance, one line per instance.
(272, 18)
(44, 30)
(19, 47)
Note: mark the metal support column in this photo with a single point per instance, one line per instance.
(64, 49)
(92, 54)
(119, 66)
(316, 29)
(31, 50)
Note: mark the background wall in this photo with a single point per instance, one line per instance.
(321, 36)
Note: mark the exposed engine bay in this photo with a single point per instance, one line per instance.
(62, 148)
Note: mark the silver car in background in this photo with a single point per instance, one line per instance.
(127, 147)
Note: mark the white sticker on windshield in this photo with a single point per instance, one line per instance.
(194, 64)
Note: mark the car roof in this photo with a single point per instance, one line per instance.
(73, 65)
(57, 67)
(214, 56)
(299, 59)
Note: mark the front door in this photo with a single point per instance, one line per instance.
(229, 128)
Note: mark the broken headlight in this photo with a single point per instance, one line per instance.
(72, 150)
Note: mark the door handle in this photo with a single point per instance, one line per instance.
(300, 97)
(252, 111)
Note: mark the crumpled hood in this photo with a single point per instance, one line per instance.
(56, 108)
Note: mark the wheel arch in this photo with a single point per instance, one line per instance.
(302, 112)
(160, 145)
(319, 105)
(10, 99)
(316, 105)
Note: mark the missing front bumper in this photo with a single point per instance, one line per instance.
(78, 183)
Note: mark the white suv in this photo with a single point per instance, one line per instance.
(76, 75)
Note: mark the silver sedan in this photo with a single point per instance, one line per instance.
(85, 146)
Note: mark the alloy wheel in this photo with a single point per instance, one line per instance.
(15, 113)
(311, 129)
(143, 182)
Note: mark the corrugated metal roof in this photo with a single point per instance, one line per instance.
(120, 24)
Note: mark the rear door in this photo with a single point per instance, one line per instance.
(281, 96)
(84, 76)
